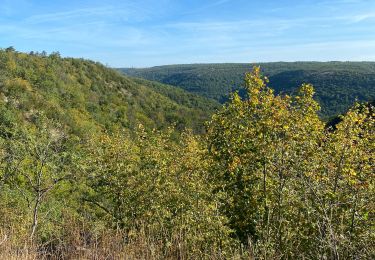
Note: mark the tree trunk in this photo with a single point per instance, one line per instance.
(35, 216)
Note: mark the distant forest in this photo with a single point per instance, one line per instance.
(337, 84)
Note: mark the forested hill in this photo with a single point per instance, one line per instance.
(85, 96)
(337, 84)
(81, 178)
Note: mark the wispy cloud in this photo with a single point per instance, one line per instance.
(206, 6)
(78, 13)
(233, 26)
(149, 32)
(270, 24)
(361, 17)
(217, 3)
(126, 11)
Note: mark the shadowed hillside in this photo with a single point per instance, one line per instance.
(337, 84)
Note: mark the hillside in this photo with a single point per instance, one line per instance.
(337, 84)
(80, 178)
(85, 96)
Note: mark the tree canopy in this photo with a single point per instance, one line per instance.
(95, 165)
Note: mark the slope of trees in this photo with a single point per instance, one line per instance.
(338, 84)
(267, 179)
(85, 96)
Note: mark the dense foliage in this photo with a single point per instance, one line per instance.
(267, 179)
(86, 97)
(297, 189)
(338, 84)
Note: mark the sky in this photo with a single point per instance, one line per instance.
(143, 33)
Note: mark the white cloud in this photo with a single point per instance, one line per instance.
(72, 14)
(361, 17)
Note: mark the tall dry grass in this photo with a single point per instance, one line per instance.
(80, 244)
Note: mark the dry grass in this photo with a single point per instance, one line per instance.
(110, 245)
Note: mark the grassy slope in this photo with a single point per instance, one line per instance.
(337, 84)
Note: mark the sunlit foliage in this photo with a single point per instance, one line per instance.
(90, 168)
(296, 189)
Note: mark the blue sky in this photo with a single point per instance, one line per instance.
(140, 33)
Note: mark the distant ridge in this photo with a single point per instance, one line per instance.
(337, 84)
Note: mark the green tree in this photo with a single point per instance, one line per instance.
(156, 185)
(38, 160)
(290, 183)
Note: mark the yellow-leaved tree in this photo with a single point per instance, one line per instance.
(289, 181)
